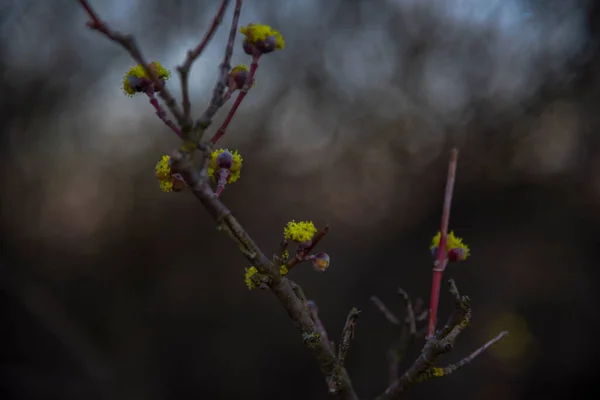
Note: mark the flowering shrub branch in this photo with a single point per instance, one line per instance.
(197, 166)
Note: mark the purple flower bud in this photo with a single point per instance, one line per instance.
(267, 46)
(321, 262)
(248, 47)
(225, 160)
(457, 254)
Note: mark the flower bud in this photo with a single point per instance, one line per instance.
(238, 77)
(457, 254)
(321, 262)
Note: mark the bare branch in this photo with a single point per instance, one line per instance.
(439, 372)
(129, 44)
(410, 312)
(441, 259)
(441, 343)
(192, 55)
(385, 311)
(347, 334)
(217, 100)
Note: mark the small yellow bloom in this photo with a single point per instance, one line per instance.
(168, 182)
(238, 68)
(262, 38)
(299, 231)
(139, 72)
(251, 283)
(454, 246)
(235, 168)
(285, 255)
(283, 270)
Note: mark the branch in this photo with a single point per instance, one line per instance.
(129, 44)
(410, 312)
(294, 303)
(442, 342)
(441, 260)
(192, 55)
(217, 100)
(385, 311)
(407, 335)
(439, 372)
(347, 334)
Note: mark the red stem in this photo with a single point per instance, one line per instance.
(223, 174)
(161, 113)
(238, 100)
(441, 259)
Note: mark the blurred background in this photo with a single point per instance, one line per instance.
(111, 289)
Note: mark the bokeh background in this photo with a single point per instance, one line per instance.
(111, 289)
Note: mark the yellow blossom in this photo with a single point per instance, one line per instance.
(299, 231)
(138, 71)
(235, 168)
(167, 181)
(452, 243)
(262, 37)
(285, 255)
(238, 68)
(283, 270)
(251, 283)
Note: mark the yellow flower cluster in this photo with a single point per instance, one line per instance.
(163, 173)
(258, 35)
(299, 231)
(138, 71)
(235, 169)
(283, 270)
(168, 182)
(452, 243)
(251, 283)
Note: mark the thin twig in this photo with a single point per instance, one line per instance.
(410, 312)
(347, 335)
(241, 95)
(441, 343)
(385, 311)
(192, 55)
(441, 259)
(217, 100)
(161, 113)
(129, 44)
(436, 372)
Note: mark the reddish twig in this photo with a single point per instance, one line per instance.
(129, 44)
(218, 99)
(192, 55)
(238, 100)
(161, 113)
(441, 258)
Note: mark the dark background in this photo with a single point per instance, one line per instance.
(112, 289)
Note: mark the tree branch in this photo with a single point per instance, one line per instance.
(192, 55)
(442, 342)
(217, 100)
(128, 43)
(441, 257)
(282, 288)
(439, 372)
